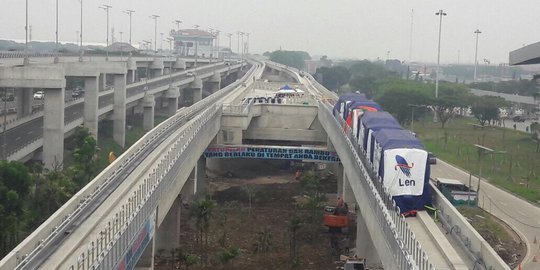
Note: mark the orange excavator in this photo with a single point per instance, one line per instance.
(336, 217)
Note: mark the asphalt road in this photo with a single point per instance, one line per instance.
(521, 215)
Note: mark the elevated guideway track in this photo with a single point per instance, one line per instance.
(76, 214)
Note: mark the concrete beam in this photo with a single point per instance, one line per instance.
(280, 134)
(51, 77)
(92, 69)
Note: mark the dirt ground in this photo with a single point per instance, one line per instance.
(505, 241)
(236, 225)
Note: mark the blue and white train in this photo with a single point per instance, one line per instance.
(395, 155)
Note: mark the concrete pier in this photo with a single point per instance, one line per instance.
(148, 103)
(196, 86)
(172, 95)
(91, 104)
(119, 114)
(24, 97)
(53, 128)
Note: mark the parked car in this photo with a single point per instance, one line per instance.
(518, 118)
(39, 95)
(191, 74)
(432, 158)
(77, 92)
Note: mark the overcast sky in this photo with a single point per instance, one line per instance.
(337, 28)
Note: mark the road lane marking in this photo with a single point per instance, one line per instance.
(523, 214)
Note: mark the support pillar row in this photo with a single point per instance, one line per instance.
(172, 95)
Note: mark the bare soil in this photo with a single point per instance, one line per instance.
(236, 225)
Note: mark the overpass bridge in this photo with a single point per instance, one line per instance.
(167, 82)
(113, 222)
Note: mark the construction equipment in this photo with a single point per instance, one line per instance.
(336, 217)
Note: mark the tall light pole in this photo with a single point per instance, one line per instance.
(161, 42)
(26, 60)
(155, 17)
(477, 32)
(242, 35)
(440, 14)
(177, 22)
(247, 42)
(129, 12)
(217, 43)
(81, 35)
(56, 33)
(238, 43)
(106, 8)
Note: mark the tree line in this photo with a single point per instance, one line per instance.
(30, 194)
(401, 96)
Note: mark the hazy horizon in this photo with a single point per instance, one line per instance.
(339, 29)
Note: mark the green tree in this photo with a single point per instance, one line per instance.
(333, 77)
(486, 108)
(202, 211)
(15, 183)
(294, 224)
(84, 168)
(451, 98)
(227, 256)
(314, 189)
(290, 58)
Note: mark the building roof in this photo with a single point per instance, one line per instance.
(191, 33)
(121, 47)
(526, 55)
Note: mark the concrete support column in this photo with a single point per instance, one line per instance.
(119, 114)
(364, 244)
(132, 69)
(348, 195)
(53, 128)
(196, 86)
(147, 257)
(179, 64)
(156, 68)
(215, 83)
(172, 95)
(102, 81)
(168, 233)
(24, 97)
(91, 104)
(130, 76)
(148, 104)
(200, 178)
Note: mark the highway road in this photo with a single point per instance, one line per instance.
(521, 215)
(19, 136)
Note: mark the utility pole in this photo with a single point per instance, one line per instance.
(477, 32)
(106, 8)
(155, 18)
(440, 14)
(129, 12)
(81, 35)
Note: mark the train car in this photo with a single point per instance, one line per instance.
(403, 166)
(371, 122)
(341, 104)
(357, 109)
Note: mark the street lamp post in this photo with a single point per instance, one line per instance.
(242, 35)
(477, 32)
(26, 60)
(155, 17)
(238, 43)
(177, 22)
(247, 42)
(106, 8)
(441, 13)
(161, 42)
(81, 52)
(129, 12)
(230, 43)
(56, 34)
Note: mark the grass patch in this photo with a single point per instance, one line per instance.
(515, 167)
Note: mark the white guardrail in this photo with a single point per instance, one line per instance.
(478, 248)
(57, 223)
